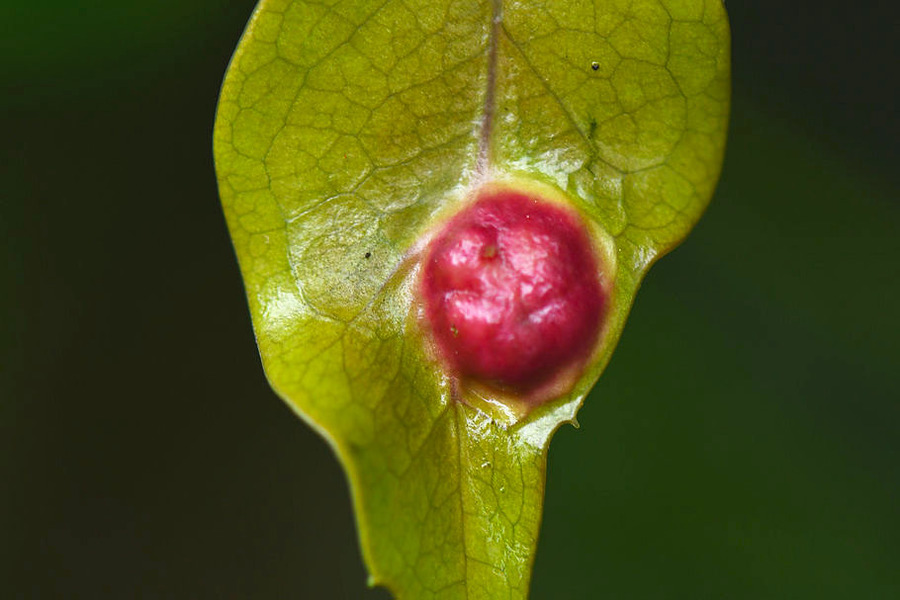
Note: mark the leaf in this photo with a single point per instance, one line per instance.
(345, 129)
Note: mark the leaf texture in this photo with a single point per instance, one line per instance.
(346, 129)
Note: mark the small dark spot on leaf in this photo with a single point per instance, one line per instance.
(593, 126)
(595, 65)
(368, 255)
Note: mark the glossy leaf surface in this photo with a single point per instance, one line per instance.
(345, 130)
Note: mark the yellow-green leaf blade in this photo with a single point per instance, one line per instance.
(345, 127)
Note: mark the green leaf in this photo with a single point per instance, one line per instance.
(345, 129)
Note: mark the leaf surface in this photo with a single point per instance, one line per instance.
(345, 129)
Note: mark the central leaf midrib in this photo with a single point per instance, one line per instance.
(482, 165)
(487, 117)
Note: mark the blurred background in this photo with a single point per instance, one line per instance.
(743, 443)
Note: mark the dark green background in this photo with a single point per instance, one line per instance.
(744, 442)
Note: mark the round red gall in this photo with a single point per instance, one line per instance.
(512, 291)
